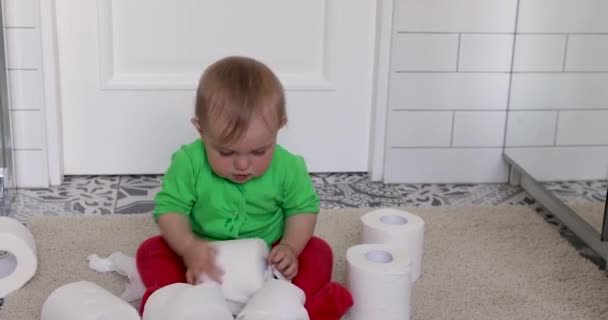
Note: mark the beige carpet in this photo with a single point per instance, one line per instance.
(479, 263)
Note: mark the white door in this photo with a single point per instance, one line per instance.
(128, 70)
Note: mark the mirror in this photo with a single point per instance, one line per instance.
(557, 122)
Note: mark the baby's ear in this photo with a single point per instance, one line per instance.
(196, 124)
(283, 122)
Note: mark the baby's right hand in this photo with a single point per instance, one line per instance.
(200, 260)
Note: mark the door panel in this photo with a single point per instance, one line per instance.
(129, 69)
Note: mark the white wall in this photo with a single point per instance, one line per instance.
(558, 126)
(26, 91)
(449, 86)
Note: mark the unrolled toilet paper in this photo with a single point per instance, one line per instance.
(181, 301)
(18, 265)
(277, 300)
(123, 265)
(245, 269)
(379, 279)
(85, 300)
(397, 227)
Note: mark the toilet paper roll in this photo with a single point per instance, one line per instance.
(245, 266)
(396, 227)
(18, 264)
(379, 279)
(181, 301)
(277, 300)
(85, 300)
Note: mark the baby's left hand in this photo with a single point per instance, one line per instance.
(284, 260)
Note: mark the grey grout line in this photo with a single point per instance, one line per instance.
(453, 72)
(22, 69)
(502, 72)
(502, 110)
(563, 109)
(507, 147)
(565, 53)
(567, 33)
(505, 33)
(452, 135)
(458, 52)
(556, 127)
(447, 148)
(563, 72)
(449, 32)
(545, 146)
(447, 110)
(26, 149)
(20, 27)
(23, 109)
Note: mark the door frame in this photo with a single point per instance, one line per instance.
(51, 110)
(380, 90)
(379, 101)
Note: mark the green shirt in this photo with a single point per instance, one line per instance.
(220, 209)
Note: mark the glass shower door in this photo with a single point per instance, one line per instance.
(6, 156)
(557, 122)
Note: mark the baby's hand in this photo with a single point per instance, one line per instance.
(284, 260)
(200, 260)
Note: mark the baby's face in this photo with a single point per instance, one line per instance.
(247, 157)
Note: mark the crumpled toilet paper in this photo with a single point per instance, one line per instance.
(244, 262)
(245, 266)
(123, 265)
(277, 300)
(181, 301)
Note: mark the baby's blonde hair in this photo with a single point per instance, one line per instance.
(235, 89)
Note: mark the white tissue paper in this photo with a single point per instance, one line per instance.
(379, 279)
(125, 266)
(397, 227)
(85, 300)
(18, 261)
(181, 301)
(277, 300)
(245, 268)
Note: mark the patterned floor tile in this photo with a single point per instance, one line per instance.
(433, 195)
(344, 178)
(136, 194)
(575, 191)
(25, 206)
(85, 194)
(77, 195)
(372, 195)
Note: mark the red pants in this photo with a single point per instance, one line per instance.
(159, 266)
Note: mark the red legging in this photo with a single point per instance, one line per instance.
(160, 266)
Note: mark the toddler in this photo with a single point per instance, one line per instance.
(236, 182)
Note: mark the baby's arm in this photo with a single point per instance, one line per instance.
(198, 256)
(176, 230)
(298, 230)
(300, 206)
